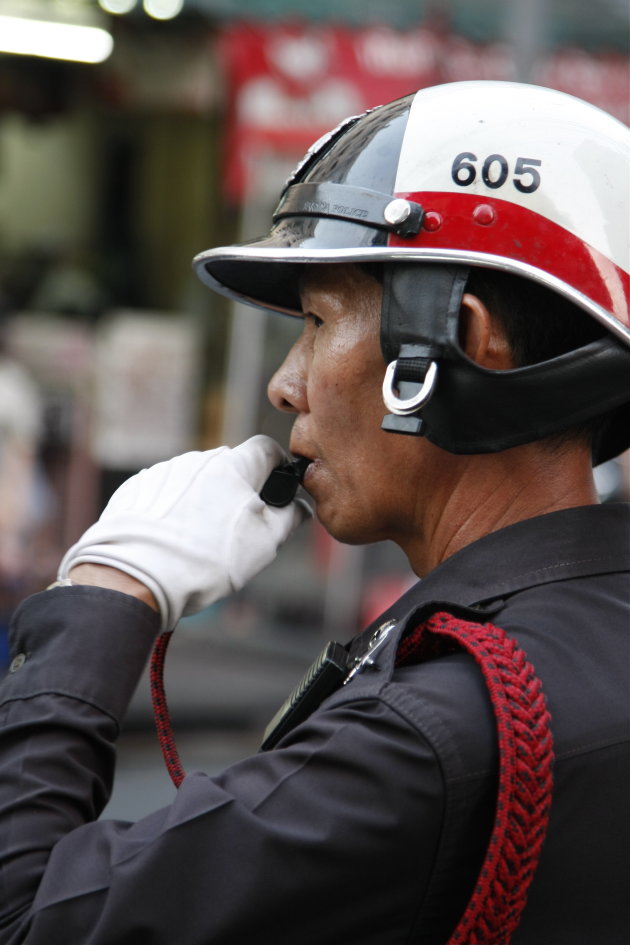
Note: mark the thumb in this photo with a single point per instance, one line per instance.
(255, 459)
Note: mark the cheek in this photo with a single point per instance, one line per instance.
(347, 402)
(349, 369)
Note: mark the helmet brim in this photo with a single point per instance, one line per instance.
(265, 273)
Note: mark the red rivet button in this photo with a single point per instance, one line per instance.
(432, 221)
(484, 214)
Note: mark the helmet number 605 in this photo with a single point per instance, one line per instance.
(495, 171)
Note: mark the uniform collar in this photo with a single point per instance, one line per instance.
(571, 543)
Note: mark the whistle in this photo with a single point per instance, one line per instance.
(282, 485)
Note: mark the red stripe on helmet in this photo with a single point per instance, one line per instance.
(486, 225)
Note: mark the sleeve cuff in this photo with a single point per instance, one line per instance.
(84, 642)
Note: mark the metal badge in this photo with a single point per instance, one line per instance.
(367, 659)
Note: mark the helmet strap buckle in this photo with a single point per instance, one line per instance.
(408, 385)
(419, 320)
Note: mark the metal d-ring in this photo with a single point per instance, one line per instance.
(403, 408)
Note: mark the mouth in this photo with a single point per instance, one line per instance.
(300, 464)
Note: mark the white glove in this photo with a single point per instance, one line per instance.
(192, 529)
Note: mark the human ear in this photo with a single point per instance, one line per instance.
(480, 336)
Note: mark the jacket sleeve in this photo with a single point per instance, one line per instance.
(333, 833)
(77, 657)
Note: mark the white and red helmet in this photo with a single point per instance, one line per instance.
(497, 175)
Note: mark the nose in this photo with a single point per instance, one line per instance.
(287, 389)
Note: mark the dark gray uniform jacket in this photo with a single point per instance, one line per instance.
(366, 826)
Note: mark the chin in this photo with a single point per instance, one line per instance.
(344, 528)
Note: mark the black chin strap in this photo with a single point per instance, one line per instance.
(419, 325)
(481, 411)
(432, 389)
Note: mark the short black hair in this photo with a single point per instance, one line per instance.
(539, 323)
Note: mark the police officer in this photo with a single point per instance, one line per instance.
(459, 261)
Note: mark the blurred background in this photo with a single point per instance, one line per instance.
(132, 136)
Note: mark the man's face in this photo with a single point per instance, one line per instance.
(363, 481)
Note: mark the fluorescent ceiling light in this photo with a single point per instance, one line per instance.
(163, 9)
(34, 37)
(117, 6)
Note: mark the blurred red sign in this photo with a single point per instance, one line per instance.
(288, 84)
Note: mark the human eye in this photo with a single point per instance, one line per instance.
(313, 319)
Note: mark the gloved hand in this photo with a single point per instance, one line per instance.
(192, 529)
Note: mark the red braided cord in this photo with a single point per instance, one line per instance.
(160, 710)
(525, 774)
(525, 766)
